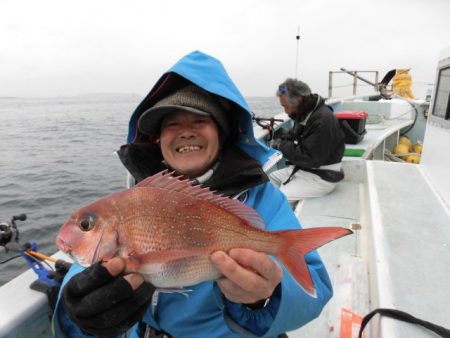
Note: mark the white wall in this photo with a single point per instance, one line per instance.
(435, 160)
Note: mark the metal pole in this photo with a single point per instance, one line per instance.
(357, 76)
(296, 58)
(330, 84)
(355, 83)
(376, 79)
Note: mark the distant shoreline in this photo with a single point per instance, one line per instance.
(94, 96)
(88, 95)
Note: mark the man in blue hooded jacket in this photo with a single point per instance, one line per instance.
(195, 122)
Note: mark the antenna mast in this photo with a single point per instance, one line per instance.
(296, 59)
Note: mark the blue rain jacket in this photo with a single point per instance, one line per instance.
(204, 312)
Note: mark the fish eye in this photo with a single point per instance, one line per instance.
(86, 224)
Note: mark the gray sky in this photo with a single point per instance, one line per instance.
(57, 47)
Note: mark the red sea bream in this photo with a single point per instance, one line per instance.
(166, 229)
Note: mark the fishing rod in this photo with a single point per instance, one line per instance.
(48, 277)
(266, 123)
(359, 77)
(297, 37)
(376, 85)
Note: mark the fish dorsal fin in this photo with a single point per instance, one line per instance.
(165, 180)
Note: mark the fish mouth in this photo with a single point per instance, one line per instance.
(188, 148)
(67, 249)
(63, 245)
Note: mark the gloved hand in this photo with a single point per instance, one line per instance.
(104, 303)
(282, 133)
(275, 143)
(61, 268)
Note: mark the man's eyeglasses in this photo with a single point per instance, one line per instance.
(282, 89)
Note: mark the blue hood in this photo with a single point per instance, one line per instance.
(208, 73)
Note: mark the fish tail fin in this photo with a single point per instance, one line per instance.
(297, 243)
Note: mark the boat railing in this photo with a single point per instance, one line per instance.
(358, 81)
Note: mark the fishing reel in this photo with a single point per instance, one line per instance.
(49, 278)
(10, 232)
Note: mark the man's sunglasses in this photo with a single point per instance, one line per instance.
(282, 89)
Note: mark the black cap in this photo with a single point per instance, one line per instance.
(190, 98)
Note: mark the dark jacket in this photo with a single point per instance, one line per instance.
(316, 138)
(145, 159)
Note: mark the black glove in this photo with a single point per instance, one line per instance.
(61, 268)
(275, 143)
(104, 305)
(282, 133)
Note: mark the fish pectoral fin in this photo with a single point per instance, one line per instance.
(152, 269)
(180, 272)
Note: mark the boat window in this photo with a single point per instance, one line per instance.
(442, 102)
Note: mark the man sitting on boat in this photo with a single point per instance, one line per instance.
(313, 147)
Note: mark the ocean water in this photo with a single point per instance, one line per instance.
(58, 154)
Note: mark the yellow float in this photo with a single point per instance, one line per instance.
(401, 149)
(412, 159)
(417, 148)
(404, 140)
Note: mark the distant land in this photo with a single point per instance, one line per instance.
(95, 96)
(104, 96)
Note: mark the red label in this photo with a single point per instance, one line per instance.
(350, 324)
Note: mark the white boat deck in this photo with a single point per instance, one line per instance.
(408, 248)
(25, 312)
(25, 303)
(400, 259)
(343, 258)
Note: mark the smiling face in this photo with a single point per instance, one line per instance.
(189, 142)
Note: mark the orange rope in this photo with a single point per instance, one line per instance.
(41, 256)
